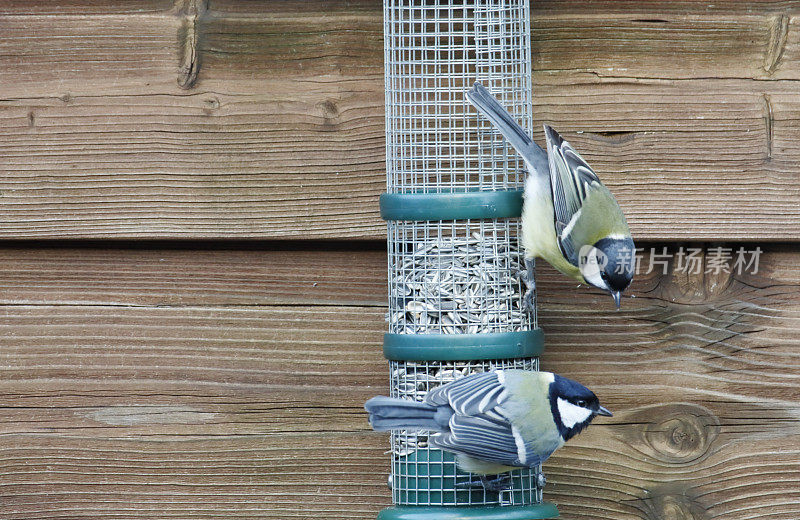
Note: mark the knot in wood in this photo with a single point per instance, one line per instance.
(210, 105)
(679, 433)
(330, 114)
(709, 277)
(672, 506)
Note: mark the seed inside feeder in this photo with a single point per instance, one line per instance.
(457, 285)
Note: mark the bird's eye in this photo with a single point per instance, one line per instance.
(582, 403)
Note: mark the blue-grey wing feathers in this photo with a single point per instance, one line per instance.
(570, 178)
(469, 395)
(481, 438)
(478, 427)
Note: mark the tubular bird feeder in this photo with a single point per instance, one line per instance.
(453, 201)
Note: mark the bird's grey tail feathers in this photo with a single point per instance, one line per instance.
(388, 413)
(483, 100)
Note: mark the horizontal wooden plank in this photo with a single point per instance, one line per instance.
(203, 477)
(58, 57)
(679, 7)
(667, 47)
(281, 134)
(82, 7)
(138, 387)
(191, 277)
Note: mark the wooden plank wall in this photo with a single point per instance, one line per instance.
(193, 287)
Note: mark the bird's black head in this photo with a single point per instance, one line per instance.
(616, 262)
(573, 406)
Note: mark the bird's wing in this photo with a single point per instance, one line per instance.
(483, 437)
(571, 180)
(487, 105)
(470, 395)
(479, 428)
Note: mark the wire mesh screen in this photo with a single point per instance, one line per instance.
(460, 276)
(426, 476)
(434, 51)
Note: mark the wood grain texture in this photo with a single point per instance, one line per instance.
(220, 276)
(82, 7)
(135, 386)
(687, 110)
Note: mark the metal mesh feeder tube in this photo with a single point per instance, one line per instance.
(453, 201)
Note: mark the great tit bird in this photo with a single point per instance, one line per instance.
(494, 421)
(569, 218)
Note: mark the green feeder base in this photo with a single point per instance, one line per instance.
(530, 512)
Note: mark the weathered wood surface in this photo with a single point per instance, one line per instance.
(205, 384)
(214, 380)
(689, 112)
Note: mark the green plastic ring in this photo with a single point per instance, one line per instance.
(453, 347)
(529, 512)
(451, 205)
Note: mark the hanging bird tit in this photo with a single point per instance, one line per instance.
(569, 218)
(494, 421)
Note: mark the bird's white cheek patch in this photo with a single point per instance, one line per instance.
(572, 414)
(591, 262)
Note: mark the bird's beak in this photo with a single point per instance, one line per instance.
(617, 295)
(604, 411)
